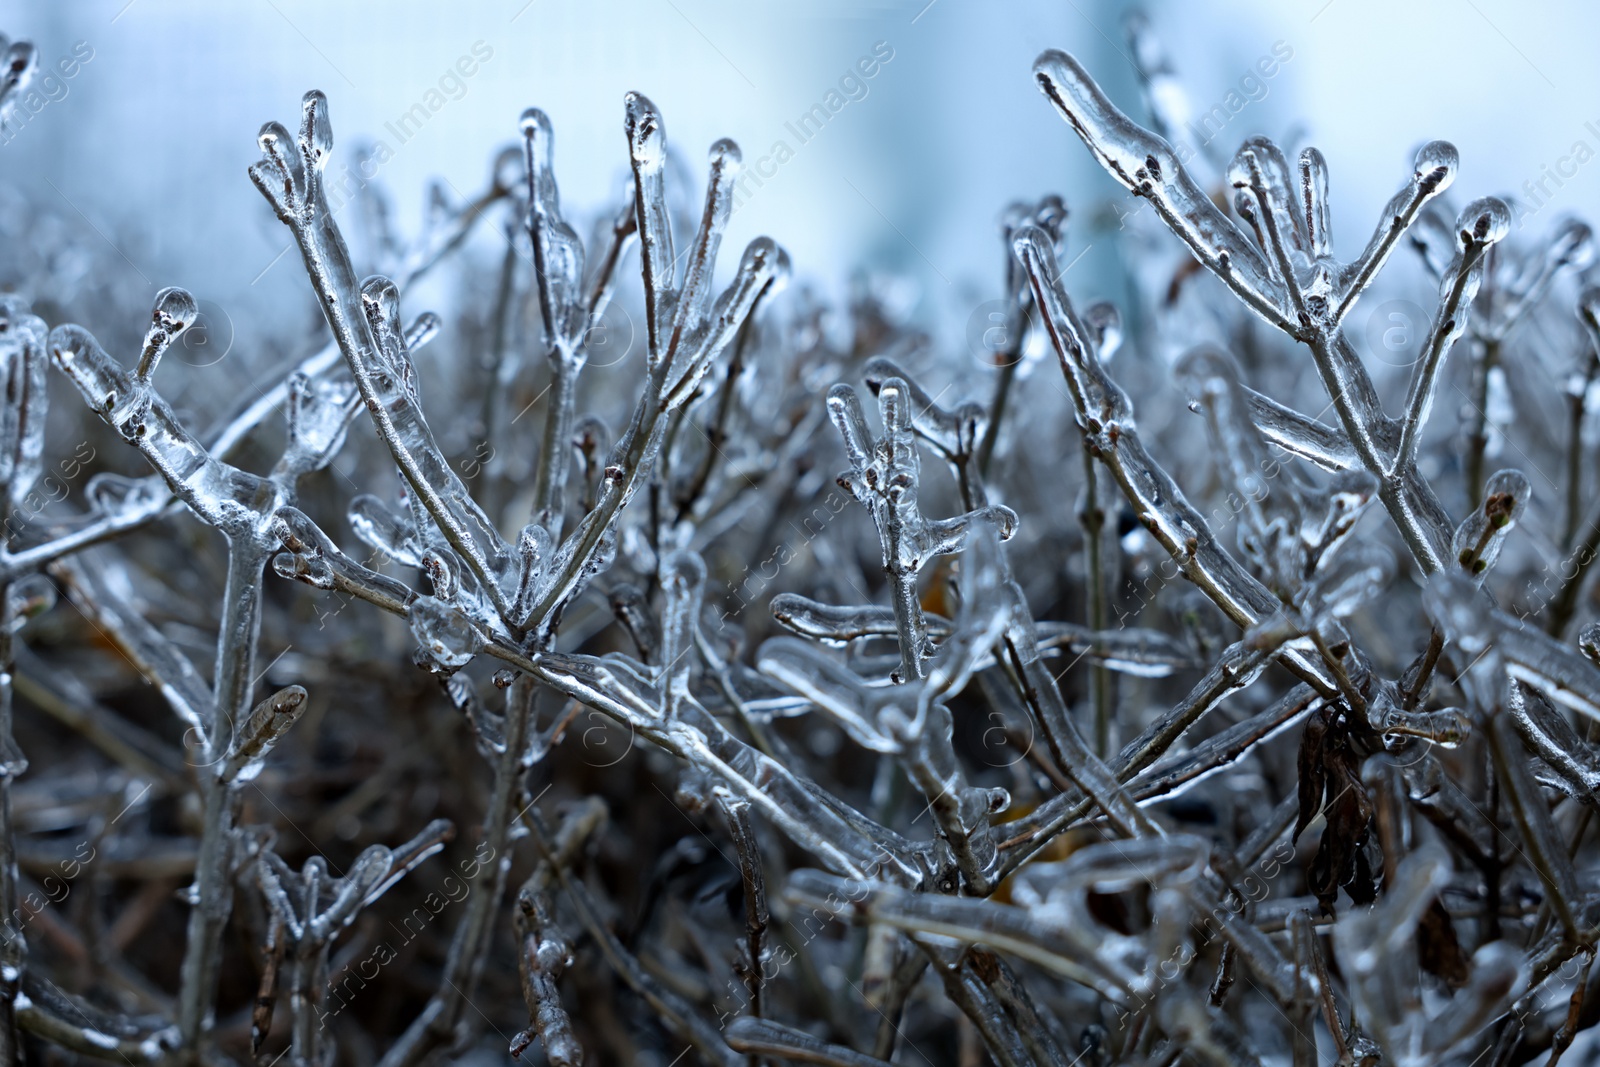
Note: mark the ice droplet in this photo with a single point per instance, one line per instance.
(175, 311)
(1477, 541)
(1485, 221)
(446, 638)
(316, 129)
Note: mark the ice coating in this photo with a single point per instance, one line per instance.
(558, 254)
(884, 478)
(267, 725)
(365, 323)
(835, 834)
(1272, 505)
(1313, 201)
(485, 591)
(1433, 171)
(694, 297)
(1480, 536)
(445, 637)
(1482, 224)
(954, 433)
(1416, 712)
(763, 268)
(384, 529)
(174, 312)
(23, 366)
(881, 719)
(19, 63)
(647, 149)
(221, 495)
(1147, 166)
(683, 577)
(312, 908)
(1106, 416)
(1260, 167)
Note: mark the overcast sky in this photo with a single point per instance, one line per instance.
(908, 175)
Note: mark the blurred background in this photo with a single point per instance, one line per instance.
(147, 143)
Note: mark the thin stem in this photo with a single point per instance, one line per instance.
(1347, 688)
(674, 1013)
(997, 406)
(1409, 501)
(1093, 518)
(1446, 328)
(555, 452)
(1487, 356)
(14, 950)
(1377, 254)
(436, 1024)
(756, 917)
(96, 531)
(1572, 512)
(1276, 239)
(1565, 604)
(717, 433)
(237, 636)
(1412, 692)
(636, 462)
(333, 278)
